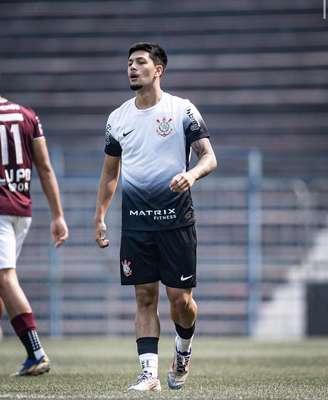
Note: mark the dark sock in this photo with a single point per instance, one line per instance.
(185, 333)
(147, 345)
(25, 328)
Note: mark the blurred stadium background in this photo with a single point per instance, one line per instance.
(258, 72)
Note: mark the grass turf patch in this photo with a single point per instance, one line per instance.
(102, 368)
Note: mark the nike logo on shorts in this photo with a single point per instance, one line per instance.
(127, 133)
(185, 278)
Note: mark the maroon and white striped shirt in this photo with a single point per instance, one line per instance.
(19, 126)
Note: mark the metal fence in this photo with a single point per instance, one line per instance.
(255, 234)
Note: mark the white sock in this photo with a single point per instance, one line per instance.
(183, 345)
(149, 363)
(39, 353)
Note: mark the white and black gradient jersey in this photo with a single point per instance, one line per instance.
(154, 146)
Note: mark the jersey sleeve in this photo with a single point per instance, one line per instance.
(193, 124)
(35, 126)
(112, 146)
(38, 131)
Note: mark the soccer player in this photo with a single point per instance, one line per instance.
(22, 143)
(149, 137)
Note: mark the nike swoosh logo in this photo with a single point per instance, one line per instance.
(127, 133)
(185, 278)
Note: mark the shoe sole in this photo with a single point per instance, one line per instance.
(146, 390)
(151, 389)
(174, 386)
(154, 388)
(40, 371)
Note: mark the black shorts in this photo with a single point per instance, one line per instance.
(166, 256)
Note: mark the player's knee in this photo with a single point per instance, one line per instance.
(147, 306)
(181, 302)
(146, 300)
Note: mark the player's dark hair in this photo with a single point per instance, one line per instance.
(156, 53)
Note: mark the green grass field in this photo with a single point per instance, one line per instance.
(102, 368)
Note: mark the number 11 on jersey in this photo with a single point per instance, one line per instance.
(14, 129)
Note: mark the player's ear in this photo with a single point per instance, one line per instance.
(159, 70)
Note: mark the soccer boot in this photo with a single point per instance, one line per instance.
(34, 367)
(179, 370)
(146, 382)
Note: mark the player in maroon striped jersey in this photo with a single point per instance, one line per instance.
(22, 143)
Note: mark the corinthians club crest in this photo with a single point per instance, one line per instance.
(127, 270)
(164, 127)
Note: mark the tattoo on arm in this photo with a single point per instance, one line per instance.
(206, 158)
(201, 147)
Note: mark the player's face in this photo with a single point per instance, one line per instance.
(142, 71)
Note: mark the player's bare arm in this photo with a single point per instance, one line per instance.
(106, 189)
(206, 164)
(58, 227)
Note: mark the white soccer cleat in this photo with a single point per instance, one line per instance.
(34, 367)
(179, 371)
(146, 382)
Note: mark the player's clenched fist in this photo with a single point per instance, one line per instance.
(182, 182)
(101, 234)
